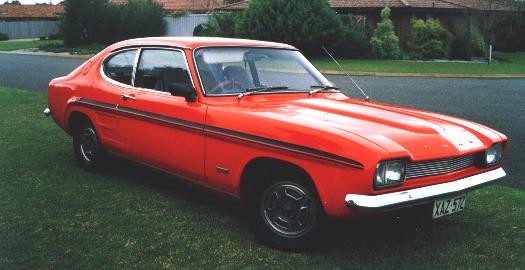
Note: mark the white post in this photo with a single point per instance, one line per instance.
(490, 53)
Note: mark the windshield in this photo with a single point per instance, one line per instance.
(227, 71)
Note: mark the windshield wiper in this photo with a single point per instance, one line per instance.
(322, 88)
(250, 91)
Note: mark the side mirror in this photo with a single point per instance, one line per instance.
(183, 90)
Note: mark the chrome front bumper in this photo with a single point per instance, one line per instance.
(421, 195)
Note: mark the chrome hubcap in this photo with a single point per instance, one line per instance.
(288, 209)
(88, 144)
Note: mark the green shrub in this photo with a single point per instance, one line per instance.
(477, 44)
(221, 24)
(429, 39)
(110, 28)
(83, 21)
(98, 21)
(510, 35)
(353, 41)
(3, 37)
(385, 43)
(308, 25)
(142, 18)
(460, 47)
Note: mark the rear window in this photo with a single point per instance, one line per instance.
(119, 67)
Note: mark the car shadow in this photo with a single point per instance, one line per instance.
(170, 185)
(378, 234)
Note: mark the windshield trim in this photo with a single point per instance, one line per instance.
(247, 47)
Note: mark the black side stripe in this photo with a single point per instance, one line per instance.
(219, 131)
(284, 145)
(176, 121)
(139, 113)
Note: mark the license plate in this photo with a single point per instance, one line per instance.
(448, 206)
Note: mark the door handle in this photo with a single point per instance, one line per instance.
(126, 97)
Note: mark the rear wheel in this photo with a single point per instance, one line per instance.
(286, 212)
(87, 147)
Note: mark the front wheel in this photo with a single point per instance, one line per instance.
(87, 148)
(287, 214)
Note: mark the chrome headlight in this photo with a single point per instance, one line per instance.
(494, 154)
(389, 173)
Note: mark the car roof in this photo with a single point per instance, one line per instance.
(196, 42)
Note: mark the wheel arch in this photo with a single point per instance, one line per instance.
(253, 168)
(74, 119)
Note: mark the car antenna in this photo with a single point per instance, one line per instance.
(367, 98)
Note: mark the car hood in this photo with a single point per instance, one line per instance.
(398, 132)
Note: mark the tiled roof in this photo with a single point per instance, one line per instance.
(467, 3)
(366, 3)
(482, 4)
(235, 6)
(185, 5)
(30, 11)
(431, 4)
(347, 4)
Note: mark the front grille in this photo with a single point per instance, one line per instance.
(438, 166)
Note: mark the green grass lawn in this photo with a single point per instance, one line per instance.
(56, 216)
(56, 46)
(508, 63)
(18, 45)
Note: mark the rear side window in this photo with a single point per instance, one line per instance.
(158, 69)
(119, 67)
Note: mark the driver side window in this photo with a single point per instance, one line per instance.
(160, 68)
(224, 78)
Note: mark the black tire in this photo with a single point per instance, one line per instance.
(88, 150)
(285, 211)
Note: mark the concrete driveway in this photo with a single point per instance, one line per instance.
(498, 103)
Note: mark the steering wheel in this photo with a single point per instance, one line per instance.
(227, 86)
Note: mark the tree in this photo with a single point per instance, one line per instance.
(429, 39)
(308, 25)
(142, 18)
(509, 34)
(489, 14)
(220, 24)
(354, 42)
(83, 20)
(98, 21)
(385, 43)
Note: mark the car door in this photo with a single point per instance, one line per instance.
(117, 70)
(164, 131)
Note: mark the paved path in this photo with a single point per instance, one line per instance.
(33, 72)
(499, 103)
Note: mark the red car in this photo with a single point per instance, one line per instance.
(256, 121)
